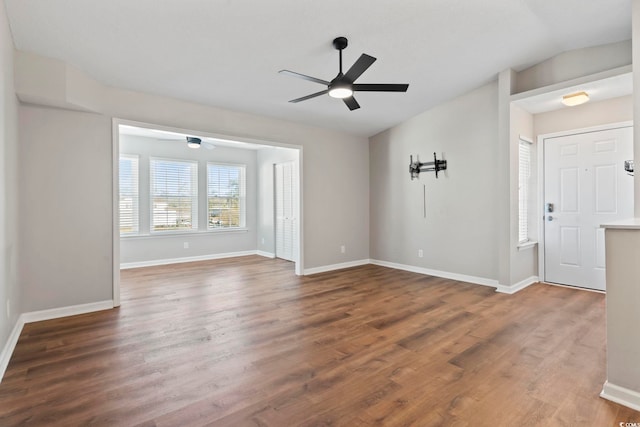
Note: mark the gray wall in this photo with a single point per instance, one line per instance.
(459, 232)
(10, 292)
(65, 208)
(267, 157)
(143, 248)
(574, 64)
(614, 110)
(335, 176)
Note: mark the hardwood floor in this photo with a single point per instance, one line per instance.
(244, 342)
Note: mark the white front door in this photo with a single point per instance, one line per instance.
(585, 186)
(285, 210)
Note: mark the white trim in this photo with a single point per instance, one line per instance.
(589, 129)
(444, 274)
(300, 222)
(575, 288)
(115, 211)
(37, 316)
(525, 139)
(182, 234)
(503, 289)
(10, 346)
(154, 262)
(602, 75)
(332, 267)
(72, 310)
(621, 395)
(526, 245)
(266, 254)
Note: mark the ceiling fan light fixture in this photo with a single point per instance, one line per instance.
(193, 142)
(340, 92)
(574, 99)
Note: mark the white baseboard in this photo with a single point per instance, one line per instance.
(37, 316)
(518, 286)
(151, 263)
(9, 346)
(265, 254)
(72, 310)
(621, 395)
(332, 267)
(444, 274)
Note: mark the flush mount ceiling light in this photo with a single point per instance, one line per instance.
(574, 99)
(193, 142)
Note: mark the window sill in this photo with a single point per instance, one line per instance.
(526, 245)
(183, 234)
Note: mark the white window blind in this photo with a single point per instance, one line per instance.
(129, 196)
(225, 196)
(524, 167)
(174, 194)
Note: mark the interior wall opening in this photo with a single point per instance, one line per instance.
(182, 196)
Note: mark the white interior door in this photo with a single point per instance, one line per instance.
(285, 210)
(585, 186)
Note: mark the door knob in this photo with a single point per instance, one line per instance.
(549, 218)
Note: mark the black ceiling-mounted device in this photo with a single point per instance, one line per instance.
(343, 85)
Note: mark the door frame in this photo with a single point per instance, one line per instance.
(542, 177)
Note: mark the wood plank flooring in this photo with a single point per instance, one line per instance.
(244, 342)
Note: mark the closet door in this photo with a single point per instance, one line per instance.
(285, 210)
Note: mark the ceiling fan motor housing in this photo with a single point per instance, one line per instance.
(340, 43)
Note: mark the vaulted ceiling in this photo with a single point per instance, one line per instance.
(228, 53)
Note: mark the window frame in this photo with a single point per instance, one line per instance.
(194, 197)
(135, 216)
(242, 197)
(524, 190)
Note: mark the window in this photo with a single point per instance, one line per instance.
(129, 201)
(225, 196)
(174, 195)
(524, 167)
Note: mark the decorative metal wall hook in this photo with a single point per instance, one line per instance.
(416, 167)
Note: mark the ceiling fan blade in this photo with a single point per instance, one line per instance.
(313, 95)
(380, 87)
(304, 76)
(351, 103)
(359, 67)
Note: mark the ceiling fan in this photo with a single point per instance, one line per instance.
(343, 85)
(194, 142)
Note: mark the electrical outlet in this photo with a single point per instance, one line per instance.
(420, 253)
(263, 240)
(186, 245)
(343, 249)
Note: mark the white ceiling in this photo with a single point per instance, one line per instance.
(227, 53)
(599, 90)
(180, 137)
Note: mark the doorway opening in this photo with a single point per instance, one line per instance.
(586, 145)
(182, 195)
